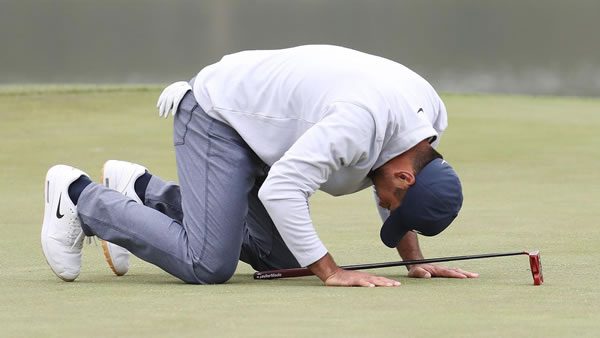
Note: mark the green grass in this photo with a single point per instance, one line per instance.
(531, 174)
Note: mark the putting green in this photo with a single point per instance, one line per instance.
(531, 174)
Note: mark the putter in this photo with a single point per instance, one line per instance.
(534, 262)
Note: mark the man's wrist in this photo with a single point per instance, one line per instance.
(409, 248)
(324, 268)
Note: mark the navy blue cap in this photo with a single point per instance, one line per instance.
(429, 205)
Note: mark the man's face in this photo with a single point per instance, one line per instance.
(390, 190)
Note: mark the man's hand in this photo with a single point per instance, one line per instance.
(332, 275)
(430, 270)
(357, 278)
(170, 97)
(409, 249)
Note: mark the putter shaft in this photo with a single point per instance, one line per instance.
(301, 272)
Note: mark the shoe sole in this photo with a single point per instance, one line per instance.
(105, 248)
(107, 257)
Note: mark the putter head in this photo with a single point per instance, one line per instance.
(536, 267)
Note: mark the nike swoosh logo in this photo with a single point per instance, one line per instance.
(58, 214)
(420, 110)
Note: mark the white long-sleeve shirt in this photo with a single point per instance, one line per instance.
(322, 117)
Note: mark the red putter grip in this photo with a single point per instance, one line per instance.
(284, 273)
(536, 267)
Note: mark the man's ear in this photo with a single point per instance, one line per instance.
(405, 177)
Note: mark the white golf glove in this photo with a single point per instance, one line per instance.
(170, 97)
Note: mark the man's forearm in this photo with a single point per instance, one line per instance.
(408, 248)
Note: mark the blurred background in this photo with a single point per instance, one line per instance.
(542, 47)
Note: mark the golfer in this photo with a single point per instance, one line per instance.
(255, 135)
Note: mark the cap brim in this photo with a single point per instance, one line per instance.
(395, 227)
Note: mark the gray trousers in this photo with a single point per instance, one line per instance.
(199, 229)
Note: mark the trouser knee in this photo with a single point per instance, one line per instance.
(218, 273)
(221, 274)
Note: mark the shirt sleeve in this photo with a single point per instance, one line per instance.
(342, 138)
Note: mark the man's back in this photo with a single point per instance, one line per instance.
(272, 97)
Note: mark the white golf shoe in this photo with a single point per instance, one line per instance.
(62, 236)
(120, 176)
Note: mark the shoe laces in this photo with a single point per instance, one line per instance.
(77, 237)
(76, 233)
(79, 240)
